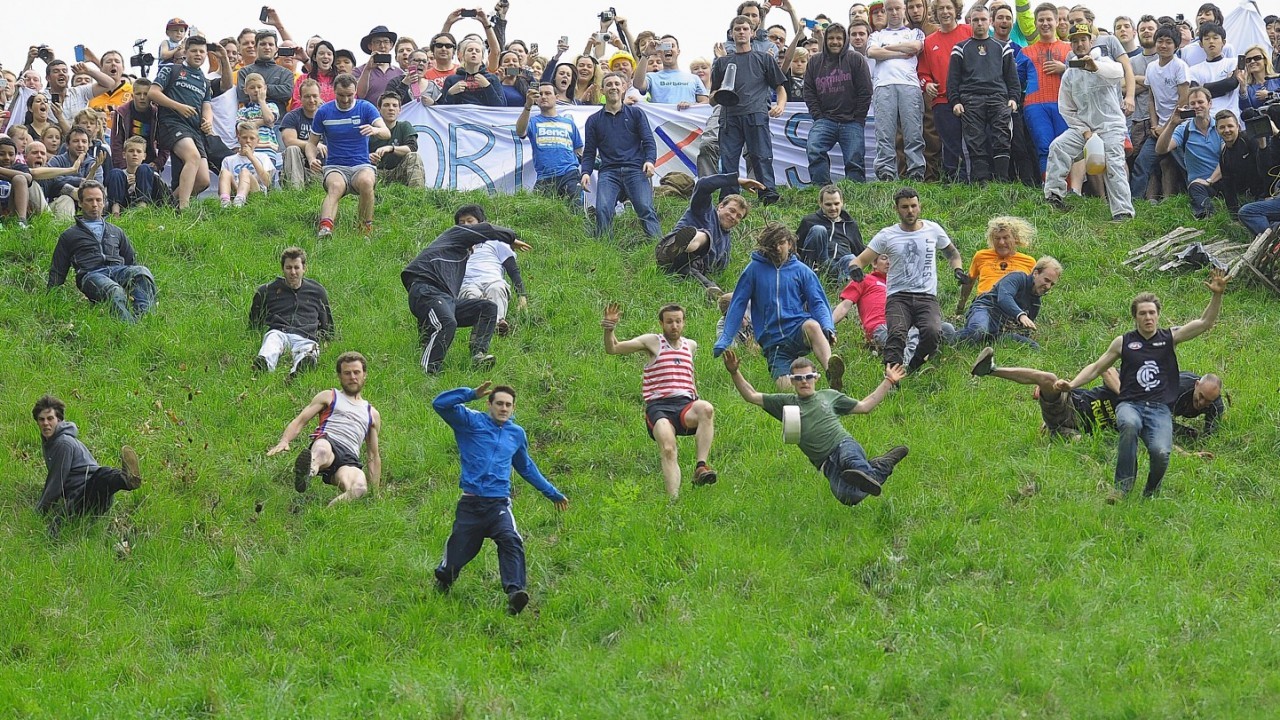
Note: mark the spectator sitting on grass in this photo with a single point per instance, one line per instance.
(74, 483)
(295, 312)
(1005, 235)
(245, 171)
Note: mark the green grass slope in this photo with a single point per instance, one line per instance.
(990, 580)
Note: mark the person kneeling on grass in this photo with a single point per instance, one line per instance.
(823, 439)
(671, 399)
(245, 171)
(73, 476)
(490, 444)
(789, 309)
(295, 311)
(347, 421)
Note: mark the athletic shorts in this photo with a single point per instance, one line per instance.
(671, 409)
(170, 133)
(781, 355)
(342, 457)
(348, 173)
(1059, 414)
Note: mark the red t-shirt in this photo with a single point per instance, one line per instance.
(869, 295)
(438, 76)
(935, 58)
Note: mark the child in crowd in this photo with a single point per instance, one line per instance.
(245, 171)
(262, 114)
(52, 139)
(171, 47)
(21, 138)
(138, 184)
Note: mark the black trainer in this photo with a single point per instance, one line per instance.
(516, 601)
(835, 372)
(129, 463)
(1055, 202)
(985, 363)
(862, 480)
(886, 462)
(302, 470)
(259, 364)
(443, 583)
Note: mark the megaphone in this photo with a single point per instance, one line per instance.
(726, 95)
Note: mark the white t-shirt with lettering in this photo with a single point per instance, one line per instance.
(912, 256)
(898, 71)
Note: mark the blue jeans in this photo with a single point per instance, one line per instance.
(823, 136)
(120, 285)
(848, 455)
(1201, 196)
(1258, 216)
(610, 183)
(1153, 422)
(1143, 165)
(984, 325)
(566, 186)
(818, 252)
(751, 131)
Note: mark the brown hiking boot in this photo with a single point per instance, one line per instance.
(704, 475)
(886, 462)
(862, 480)
(129, 463)
(835, 373)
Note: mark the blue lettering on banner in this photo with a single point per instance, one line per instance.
(439, 145)
(792, 134)
(470, 162)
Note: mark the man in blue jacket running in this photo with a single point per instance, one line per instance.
(489, 445)
(789, 310)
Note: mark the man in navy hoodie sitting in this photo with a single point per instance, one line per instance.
(789, 310)
(830, 239)
(701, 240)
(73, 475)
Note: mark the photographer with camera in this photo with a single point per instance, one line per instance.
(1090, 102)
(377, 73)
(1247, 166)
(58, 76)
(82, 154)
(490, 37)
(1196, 145)
(670, 85)
(279, 79)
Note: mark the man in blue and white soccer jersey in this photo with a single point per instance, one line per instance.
(345, 125)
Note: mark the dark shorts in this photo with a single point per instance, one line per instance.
(170, 133)
(781, 355)
(342, 457)
(671, 409)
(1059, 414)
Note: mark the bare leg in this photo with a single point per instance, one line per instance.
(321, 455)
(665, 435)
(224, 183)
(352, 484)
(363, 182)
(1028, 376)
(702, 419)
(817, 341)
(21, 197)
(335, 187)
(193, 170)
(699, 239)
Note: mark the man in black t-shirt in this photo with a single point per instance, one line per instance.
(745, 122)
(1198, 396)
(1149, 384)
(185, 118)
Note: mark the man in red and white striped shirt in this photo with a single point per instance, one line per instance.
(671, 399)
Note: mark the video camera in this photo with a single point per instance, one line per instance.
(141, 59)
(44, 53)
(608, 15)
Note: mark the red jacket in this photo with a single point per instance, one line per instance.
(935, 59)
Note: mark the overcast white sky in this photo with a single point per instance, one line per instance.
(698, 23)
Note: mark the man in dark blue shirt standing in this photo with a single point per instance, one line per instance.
(620, 135)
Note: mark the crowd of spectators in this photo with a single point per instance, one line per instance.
(993, 92)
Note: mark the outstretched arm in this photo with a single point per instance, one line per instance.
(612, 346)
(747, 392)
(318, 403)
(375, 455)
(1217, 284)
(893, 375)
(1092, 370)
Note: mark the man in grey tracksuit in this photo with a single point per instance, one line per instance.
(72, 475)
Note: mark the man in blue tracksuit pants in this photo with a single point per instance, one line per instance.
(489, 444)
(789, 310)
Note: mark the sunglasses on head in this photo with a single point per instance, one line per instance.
(808, 377)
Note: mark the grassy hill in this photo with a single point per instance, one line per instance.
(990, 580)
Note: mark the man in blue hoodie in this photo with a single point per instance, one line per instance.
(73, 476)
(837, 91)
(789, 310)
(489, 445)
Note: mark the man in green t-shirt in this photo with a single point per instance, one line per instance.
(397, 157)
(823, 439)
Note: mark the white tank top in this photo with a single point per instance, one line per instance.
(345, 421)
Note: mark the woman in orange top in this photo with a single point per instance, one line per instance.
(1005, 235)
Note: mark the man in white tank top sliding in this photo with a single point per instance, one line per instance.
(347, 421)
(671, 399)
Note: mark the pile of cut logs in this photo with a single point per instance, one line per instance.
(1261, 257)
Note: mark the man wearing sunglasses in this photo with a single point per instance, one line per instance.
(823, 439)
(442, 64)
